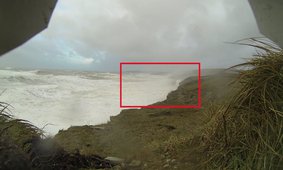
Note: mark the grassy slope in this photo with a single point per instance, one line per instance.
(153, 135)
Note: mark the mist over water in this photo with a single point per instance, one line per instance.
(59, 99)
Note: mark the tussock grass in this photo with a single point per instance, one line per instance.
(23, 146)
(4, 111)
(247, 133)
(8, 122)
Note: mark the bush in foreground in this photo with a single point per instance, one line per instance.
(247, 133)
(23, 146)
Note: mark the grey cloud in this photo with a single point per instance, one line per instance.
(155, 30)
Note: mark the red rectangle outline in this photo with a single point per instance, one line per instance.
(198, 106)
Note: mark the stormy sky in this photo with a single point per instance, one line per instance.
(98, 34)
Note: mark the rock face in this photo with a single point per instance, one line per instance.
(269, 14)
(114, 160)
(135, 163)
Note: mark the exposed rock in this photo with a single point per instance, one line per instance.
(166, 166)
(114, 160)
(135, 163)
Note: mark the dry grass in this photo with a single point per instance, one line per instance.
(247, 133)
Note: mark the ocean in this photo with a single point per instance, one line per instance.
(55, 100)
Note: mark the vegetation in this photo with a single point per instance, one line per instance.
(247, 133)
(12, 156)
(23, 146)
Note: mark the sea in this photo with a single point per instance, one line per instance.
(53, 100)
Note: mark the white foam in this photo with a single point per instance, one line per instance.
(64, 100)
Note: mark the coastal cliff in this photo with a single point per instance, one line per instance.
(157, 138)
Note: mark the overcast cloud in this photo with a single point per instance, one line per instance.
(98, 34)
